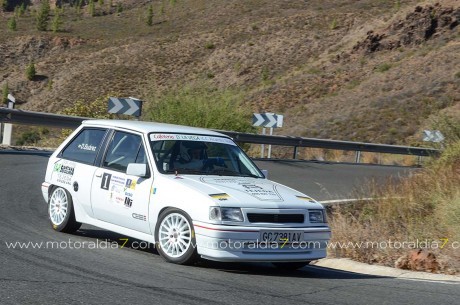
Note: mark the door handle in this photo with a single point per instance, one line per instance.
(98, 175)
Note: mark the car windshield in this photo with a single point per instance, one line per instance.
(201, 155)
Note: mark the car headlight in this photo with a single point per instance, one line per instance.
(225, 214)
(316, 216)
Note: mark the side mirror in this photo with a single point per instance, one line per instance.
(265, 172)
(137, 169)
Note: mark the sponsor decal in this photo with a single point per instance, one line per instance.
(139, 217)
(131, 184)
(119, 180)
(154, 190)
(89, 147)
(258, 189)
(186, 137)
(116, 194)
(128, 202)
(221, 196)
(63, 172)
(128, 198)
(305, 198)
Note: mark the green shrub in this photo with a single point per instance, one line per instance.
(5, 92)
(57, 22)
(119, 8)
(383, 67)
(29, 138)
(41, 19)
(12, 24)
(94, 109)
(91, 8)
(209, 46)
(149, 20)
(333, 25)
(30, 71)
(200, 107)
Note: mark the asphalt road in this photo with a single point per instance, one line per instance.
(331, 181)
(131, 276)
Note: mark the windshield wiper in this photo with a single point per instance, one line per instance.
(224, 171)
(185, 171)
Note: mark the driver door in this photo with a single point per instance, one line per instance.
(119, 198)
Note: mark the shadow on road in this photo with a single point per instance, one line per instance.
(267, 269)
(261, 269)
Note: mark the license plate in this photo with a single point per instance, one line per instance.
(281, 236)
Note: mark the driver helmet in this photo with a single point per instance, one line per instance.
(190, 150)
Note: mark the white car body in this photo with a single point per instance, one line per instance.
(131, 205)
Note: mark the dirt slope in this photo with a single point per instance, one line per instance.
(353, 70)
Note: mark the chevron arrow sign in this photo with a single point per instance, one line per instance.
(129, 106)
(433, 136)
(270, 120)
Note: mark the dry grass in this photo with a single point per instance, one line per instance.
(423, 207)
(282, 54)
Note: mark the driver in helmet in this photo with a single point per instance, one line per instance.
(192, 155)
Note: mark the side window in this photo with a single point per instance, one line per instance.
(124, 148)
(84, 147)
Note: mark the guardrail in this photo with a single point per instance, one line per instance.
(64, 121)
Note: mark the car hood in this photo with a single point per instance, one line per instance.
(246, 192)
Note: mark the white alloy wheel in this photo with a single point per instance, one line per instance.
(60, 211)
(58, 206)
(175, 235)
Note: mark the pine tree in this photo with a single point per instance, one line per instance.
(43, 16)
(57, 21)
(91, 8)
(150, 16)
(22, 9)
(119, 8)
(12, 23)
(3, 5)
(30, 71)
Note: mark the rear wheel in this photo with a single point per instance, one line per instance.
(175, 237)
(291, 265)
(60, 211)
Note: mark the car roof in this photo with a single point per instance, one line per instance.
(147, 127)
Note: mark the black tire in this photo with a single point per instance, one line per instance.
(189, 254)
(291, 265)
(67, 224)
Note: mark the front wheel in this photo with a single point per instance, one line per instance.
(175, 237)
(290, 265)
(60, 211)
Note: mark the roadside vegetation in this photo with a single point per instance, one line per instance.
(421, 212)
(200, 106)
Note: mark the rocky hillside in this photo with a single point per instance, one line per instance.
(369, 70)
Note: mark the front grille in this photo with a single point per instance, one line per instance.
(276, 218)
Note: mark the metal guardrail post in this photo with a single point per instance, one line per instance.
(295, 153)
(358, 156)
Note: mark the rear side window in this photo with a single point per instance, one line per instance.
(84, 147)
(124, 148)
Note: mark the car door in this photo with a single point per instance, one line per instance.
(74, 167)
(119, 198)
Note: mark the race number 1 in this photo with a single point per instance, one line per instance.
(106, 181)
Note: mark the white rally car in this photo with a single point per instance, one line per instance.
(190, 191)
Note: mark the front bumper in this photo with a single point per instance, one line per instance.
(234, 243)
(45, 189)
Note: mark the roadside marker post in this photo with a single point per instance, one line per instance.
(8, 128)
(267, 120)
